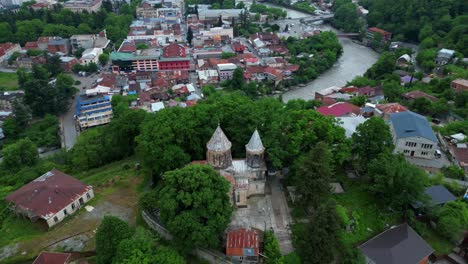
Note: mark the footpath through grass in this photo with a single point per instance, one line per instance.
(8, 81)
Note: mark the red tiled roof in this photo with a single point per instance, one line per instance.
(391, 108)
(378, 30)
(31, 45)
(461, 154)
(273, 71)
(327, 101)
(242, 242)
(351, 89)
(52, 258)
(339, 109)
(48, 194)
(174, 50)
(291, 67)
(5, 47)
(43, 39)
(418, 94)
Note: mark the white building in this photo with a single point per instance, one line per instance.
(50, 198)
(226, 70)
(217, 32)
(412, 135)
(90, 55)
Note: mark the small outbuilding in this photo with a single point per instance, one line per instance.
(438, 196)
(50, 198)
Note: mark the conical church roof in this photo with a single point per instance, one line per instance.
(255, 143)
(219, 141)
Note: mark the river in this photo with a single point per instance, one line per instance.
(354, 61)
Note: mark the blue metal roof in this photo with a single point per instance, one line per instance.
(410, 124)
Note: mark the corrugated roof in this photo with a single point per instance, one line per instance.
(398, 245)
(52, 258)
(242, 242)
(48, 194)
(219, 141)
(438, 194)
(409, 124)
(255, 143)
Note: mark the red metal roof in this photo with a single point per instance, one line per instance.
(350, 89)
(52, 258)
(242, 241)
(418, 94)
(339, 109)
(31, 45)
(379, 30)
(48, 194)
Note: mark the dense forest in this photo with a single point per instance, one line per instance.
(28, 24)
(432, 22)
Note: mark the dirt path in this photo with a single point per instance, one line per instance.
(120, 201)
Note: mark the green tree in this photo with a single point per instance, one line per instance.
(6, 34)
(395, 182)
(22, 153)
(271, 249)
(141, 243)
(312, 175)
(318, 241)
(104, 58)
(237, 82)
(453, 220)
(194, 205)
(227, 55)
(189, 35)
(110, 233)
(359, 100)
(371, 139)
(168, 255)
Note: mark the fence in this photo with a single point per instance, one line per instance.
(212, 256)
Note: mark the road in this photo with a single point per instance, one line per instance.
(282, 216)
(67, 120)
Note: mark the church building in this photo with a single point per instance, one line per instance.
(248, 174)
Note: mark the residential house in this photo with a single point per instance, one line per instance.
(243, 245)
(52, 258)
(459, 85)
(50, 198)
(385, 110)
(217, 32)
(43, 42)
(412, 135)
(371, 34)
(397, 245)
(403, 61)
(444, 56)
(410, 96)
(350, 123)
(7, 49)
(174, 57)
(67, 63)
(460, 154)
(438, 195)
(226, 71)
(369, 92)
(58, 44)
(238, 47)
(327, 91)
(93, 110)
(339, 109)
(78, 6)
(408, 79)
(208, 77)
(8, 97)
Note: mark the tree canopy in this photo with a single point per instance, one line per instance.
(110, 233)
(194, 205)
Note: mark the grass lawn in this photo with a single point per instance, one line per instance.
(8, 81)
(115, 187)
(441, 245)
(361, 206)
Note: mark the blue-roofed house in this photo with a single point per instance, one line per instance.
(438, 195)
(412, 135)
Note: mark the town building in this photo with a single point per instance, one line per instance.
(53, 258)
(385, 110)
(90, 41)
(174, 57)
(397, 245)
(340, 109)
(93, 110)
(59, 45)
(410, 96)
(214, 14)
(444, 56)
(412, 135)
(460, 155)
(91, 55)
(226, 71)
(459, 85)
(371, 34)
(67, 63)
(243, 245)
(7, 49)
(140, 60)
(438, 196)
(83, 5)
(247, 176)
(50, 198)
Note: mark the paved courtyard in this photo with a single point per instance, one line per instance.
(270, 211)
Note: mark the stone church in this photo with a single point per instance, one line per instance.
(247, 176)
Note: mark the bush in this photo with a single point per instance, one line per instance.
(454, 172)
